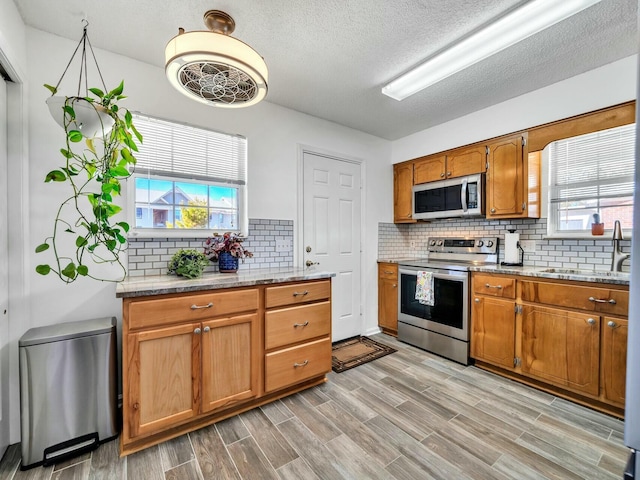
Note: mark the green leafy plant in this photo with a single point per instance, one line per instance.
(93, 169)
(188, 263)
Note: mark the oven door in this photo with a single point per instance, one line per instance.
(450, 313)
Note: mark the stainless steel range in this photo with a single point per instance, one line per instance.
(442, 328)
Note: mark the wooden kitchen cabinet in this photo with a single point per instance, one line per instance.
(493, 324)
(402, 192)
(192, 359)
(561, 347)
(566, 337)
(388, 298)
(614, 359)
(455, 163)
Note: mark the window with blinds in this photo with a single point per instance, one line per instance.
(188, 178)
(592, 174)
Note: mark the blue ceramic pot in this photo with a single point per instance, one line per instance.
(227, 263)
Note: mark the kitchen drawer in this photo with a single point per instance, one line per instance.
(297, 293)
(593, 299)
(163, 311)
(388, 270)
(297, 364)
(494, 285)
(297, 324)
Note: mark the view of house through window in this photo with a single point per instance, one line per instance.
(591, 175)
(189, 178)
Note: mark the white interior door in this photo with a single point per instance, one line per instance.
(331, 234)
(4, 276)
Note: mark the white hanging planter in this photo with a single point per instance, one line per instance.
(92, 119)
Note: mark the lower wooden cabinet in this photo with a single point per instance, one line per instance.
(614, 359)
(388, 298)
(554, 335)
(493, 331)
(227, 359)
(561, 347)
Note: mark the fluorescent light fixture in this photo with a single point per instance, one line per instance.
(531, 18)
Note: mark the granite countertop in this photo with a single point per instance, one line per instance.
(162, 284)
(575, 274)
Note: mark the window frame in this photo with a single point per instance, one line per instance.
(131, 210)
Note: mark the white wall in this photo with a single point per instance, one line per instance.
(274, 134)
(605, 86)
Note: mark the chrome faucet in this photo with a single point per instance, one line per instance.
(617, 256)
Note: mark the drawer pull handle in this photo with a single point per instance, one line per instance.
(196, 307)
(611, 324)
(600, 300)
(388, 272)
(591, 321)
(296, 325)
(296, 294)
(296, 365)
(499, 287)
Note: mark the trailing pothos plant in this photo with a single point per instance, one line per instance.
(93, 168)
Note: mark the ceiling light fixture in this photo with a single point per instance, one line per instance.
(213, 67)
(531, 18)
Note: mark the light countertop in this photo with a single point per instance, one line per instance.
(578, 275)
(163, 284)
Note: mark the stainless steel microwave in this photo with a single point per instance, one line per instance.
(456, 197)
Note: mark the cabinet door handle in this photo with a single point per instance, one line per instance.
(477, 300)
(611, 324)
(442, 175)
(296, 294)
(296, 325)
(448, 174)
(493, 210)
(591, 321)
(197, 331)
(600, 300)
(196, 307)
(499, 287)
(296, 365)
(206, 329)
(394, 285)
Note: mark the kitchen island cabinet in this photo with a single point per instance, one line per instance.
(193, 358)
(566, 337)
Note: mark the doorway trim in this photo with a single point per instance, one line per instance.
(298, 246)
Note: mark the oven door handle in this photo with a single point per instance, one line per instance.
(458, 277)
(463, 195)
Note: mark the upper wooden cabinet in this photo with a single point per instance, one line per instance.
(456, 163)
(402, 193)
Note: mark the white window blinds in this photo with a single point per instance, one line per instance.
(593, 167)
(183, 151)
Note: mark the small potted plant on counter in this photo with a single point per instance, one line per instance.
(227, 249)
(188, 263)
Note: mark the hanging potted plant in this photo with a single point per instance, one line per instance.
(226, 249)
(100, 139)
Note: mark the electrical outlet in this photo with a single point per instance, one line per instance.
(529, 246)
(412, 244)
(283, 244)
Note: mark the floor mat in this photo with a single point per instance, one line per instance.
(355, 351)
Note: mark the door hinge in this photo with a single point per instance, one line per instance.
(524, 206)
(517, 362)
(486, 165)
(518, 309)
(524, 141)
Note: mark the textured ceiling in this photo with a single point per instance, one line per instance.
(330, 58)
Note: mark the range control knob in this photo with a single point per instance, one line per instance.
(479, 243)
(432, 243)
(489, 243)
(440, 243)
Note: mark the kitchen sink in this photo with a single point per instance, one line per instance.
(575, 271)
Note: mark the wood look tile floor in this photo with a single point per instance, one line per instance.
(410, 415)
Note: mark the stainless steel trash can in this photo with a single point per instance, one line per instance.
(68, 389)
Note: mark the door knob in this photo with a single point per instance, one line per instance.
(308, 263)
(308, 249)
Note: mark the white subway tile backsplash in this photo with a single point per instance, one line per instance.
(151, 257)
(394, 242)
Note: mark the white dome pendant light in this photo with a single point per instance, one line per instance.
(215, 68)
